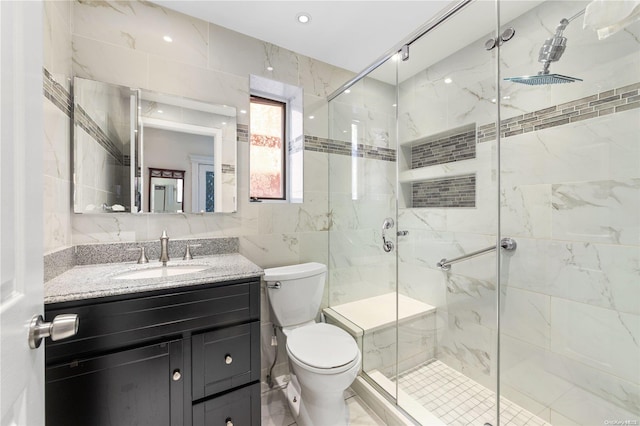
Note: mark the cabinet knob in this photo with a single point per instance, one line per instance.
(227, 359)
(177, 375)
(228, 422)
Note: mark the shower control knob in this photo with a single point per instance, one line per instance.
(228, 422)
(507, 34)
(176, 375)
(490, 44)
(227, 359)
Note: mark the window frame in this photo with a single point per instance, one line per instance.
(284, 105)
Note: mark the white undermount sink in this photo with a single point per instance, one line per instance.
(160, 272)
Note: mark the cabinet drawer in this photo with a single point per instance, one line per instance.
(112, 324)
(226, 358)
(240, 407)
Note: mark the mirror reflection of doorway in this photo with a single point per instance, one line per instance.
(205, 184)
(159, 199)
(206, 178)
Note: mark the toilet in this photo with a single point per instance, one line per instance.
(324, 359)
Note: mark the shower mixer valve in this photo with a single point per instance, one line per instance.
(387, 245)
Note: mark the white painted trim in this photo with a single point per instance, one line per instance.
(180, 127)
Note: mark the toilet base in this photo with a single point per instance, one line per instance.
(309, 409)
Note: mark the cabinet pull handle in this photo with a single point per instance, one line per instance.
(228, 422)
(177, 375)
(227, 359)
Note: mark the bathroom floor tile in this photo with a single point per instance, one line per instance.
(457, 399)
(275, 411)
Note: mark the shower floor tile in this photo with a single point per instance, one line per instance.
(458, 400)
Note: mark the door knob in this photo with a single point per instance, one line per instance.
(61, 327)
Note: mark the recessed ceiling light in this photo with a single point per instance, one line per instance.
(269, 68)
(347, 91)
(303, 18)
(167, 38)
(448, 80)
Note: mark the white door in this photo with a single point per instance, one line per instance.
(21, 219)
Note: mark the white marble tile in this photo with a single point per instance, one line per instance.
(523, 368)
(57, 39)
(275, 411)
(526, 211)
(168, 76)
(603, 148)
(525, 315)
(597, 211)
(583, 407)
(88, 228)
(271, 250)
(588, 334)
(57, 153)
(316, 177)
(141, 26)
(319, 78)
(109, 63)
(623, 392)
(318, 108)
(597, 274)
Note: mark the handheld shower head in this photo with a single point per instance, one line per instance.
(551, 51)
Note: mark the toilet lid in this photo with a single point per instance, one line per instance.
(322, 346)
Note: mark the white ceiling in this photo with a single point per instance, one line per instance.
(347, 34)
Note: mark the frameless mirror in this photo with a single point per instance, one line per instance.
(182, 159)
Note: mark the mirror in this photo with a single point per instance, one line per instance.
(166, 191)
(171, 134)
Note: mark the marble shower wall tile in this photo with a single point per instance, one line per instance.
(600, 211)
(600, 275)
(587, 334)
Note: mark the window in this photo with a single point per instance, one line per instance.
(267, 149)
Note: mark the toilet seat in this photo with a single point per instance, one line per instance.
(323, 348)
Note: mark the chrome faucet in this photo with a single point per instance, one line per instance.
(164, 248)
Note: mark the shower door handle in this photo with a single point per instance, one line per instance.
(387, 245)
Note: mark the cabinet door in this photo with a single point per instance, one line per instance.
(238, 408)
(133, 387)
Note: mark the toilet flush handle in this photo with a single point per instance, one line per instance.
(275, 285)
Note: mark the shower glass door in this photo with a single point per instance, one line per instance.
(362, 236)
(570, 177)
(448, 203)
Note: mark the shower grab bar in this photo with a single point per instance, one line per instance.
(506, 243)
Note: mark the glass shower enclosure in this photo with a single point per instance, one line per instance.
(505, 119)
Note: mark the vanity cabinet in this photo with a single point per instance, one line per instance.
(178, 356)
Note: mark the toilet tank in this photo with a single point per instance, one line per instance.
(299, 295)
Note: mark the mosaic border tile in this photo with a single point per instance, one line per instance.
(228, 168)
(331, 146)
(56, 93)
(458, 191)
(455, 145)
(86, 123)
(597, 105)
(242, 133)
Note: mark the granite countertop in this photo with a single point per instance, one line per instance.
(95, 281)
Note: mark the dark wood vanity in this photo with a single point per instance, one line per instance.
(175, 356)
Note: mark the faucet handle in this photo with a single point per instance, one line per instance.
(187, 251)
(143, 256)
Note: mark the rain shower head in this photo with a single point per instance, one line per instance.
(551, 51)
(541, 79)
